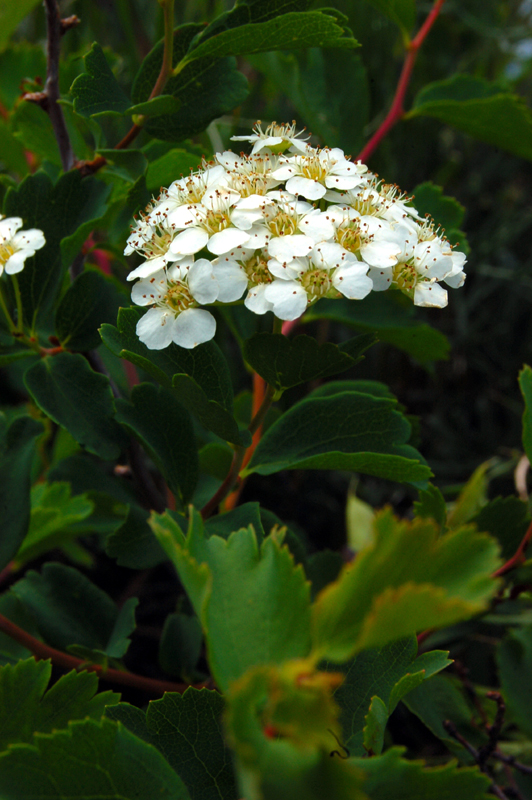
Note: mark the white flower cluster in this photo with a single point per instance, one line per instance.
(16, 245)
(284, 226)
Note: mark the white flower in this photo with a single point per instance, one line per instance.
(153, 241)
(276, 138)
(311, 175)
(174, 294)
(16, 245)
(244, 269)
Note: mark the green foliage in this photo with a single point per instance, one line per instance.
(402, 12)
(97, 91)
(515, 661)
(525, 382)
(133, 543)
(90, 300)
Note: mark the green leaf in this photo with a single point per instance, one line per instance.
(133, 543)
(392, 316)
(402, 12)
(349, 430)
(217, 81)
(211, 414)
(100, 760)
(11, 607)
(180, 646)
(390, 777)
(171, 444)
(12, 150)
(242, 516)
(69, 609)
(507, 519)
(163, 104)
(187, 730)
(11, 14)
(408, 580)
(32, 127)
(376, 720)
(284, 362)
(514, 658)
(70, 393)
(446, 212)
(26, 708)
(431, 505)
(53, 512)
(17, 61)
(206, 363)
(525, 384)
(284, 32)
(89, 301)
(380, 672)
(128, 164)
(471, 499)
(266, 621)
(481, 109)
(97, 91)
(58, 211)
(170, 167)
(17, 449)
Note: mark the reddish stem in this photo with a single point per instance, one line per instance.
(518, 557)
(59, 659)
(396, 110)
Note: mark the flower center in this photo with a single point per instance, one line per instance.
(314, 169)
(349, 236)
(215, 221)
(178, 297)
(316, 282)
(158, 244)
(257, 271)
(283, 224)
(405, 276)
(6, 251)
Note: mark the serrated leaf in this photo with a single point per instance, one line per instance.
(525, 384)
(217, 81)
(172, 166)
(17, 448)
(69, 609)
(408, 580)
(80, 400)
(53, 512)
(289, 31)
(471, 498)
(481, 109)
(206, 363)
(91, 300)
(389, 777)
(210, 414)
(172, 444)
(514, 658)
(349, 430)
(253, 604)
(376, 720)
(58, 210)
(27, 709)
(133, 543)
(391, 318)
(188, 732)
(431, 505)
(242, 516)
(97, 91)
(284, 362)
(90, 759)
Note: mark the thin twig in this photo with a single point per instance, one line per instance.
(396, 109)
(518, 557)
(511, 761)
(451, 729)
(59, 659)
(55, 29)
(493, 731)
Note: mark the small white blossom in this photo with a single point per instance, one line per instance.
(16, 245)
(276, 138)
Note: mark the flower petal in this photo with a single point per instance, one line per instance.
(256, 299)
(194, 326)
(201, 281)
(352, 282)
(288, 298)
(155, 328)
(224, 241)
(310, 189)
(232, 281)
(189, 241)
(430, 295)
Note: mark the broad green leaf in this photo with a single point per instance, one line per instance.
(253, 603)
(446, 212)
(27, 709)
(69, 392)
(69, 609)
(32, 127)
(359, 518)
(481, 109)
(12, 150)
(375, 726)
(392, 316)
(379, 672)
(216, 80)
(163, 104)
(442, 698)
(408, 580)
(17, 449)
(525, 383)
(100, 760)
(206, 363)
(15, 355)
(284, 362)
(173, 165)
(128, 164)
(507, 519)
(11, 607)
(349, 430)
(390, 777)
(211, 414)
(97, 91)
(58, 210)
(322, 568)
(431, 505)
(471, 499)
(133, 543)
(164, 429)
(289, 31)
(514, 658)
(243, 516)
(89, 301)
(180, 646)
(402, 12)
(11, 14)
(53, 513)
(188, 732)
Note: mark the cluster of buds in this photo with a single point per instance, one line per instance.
(280, 229)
